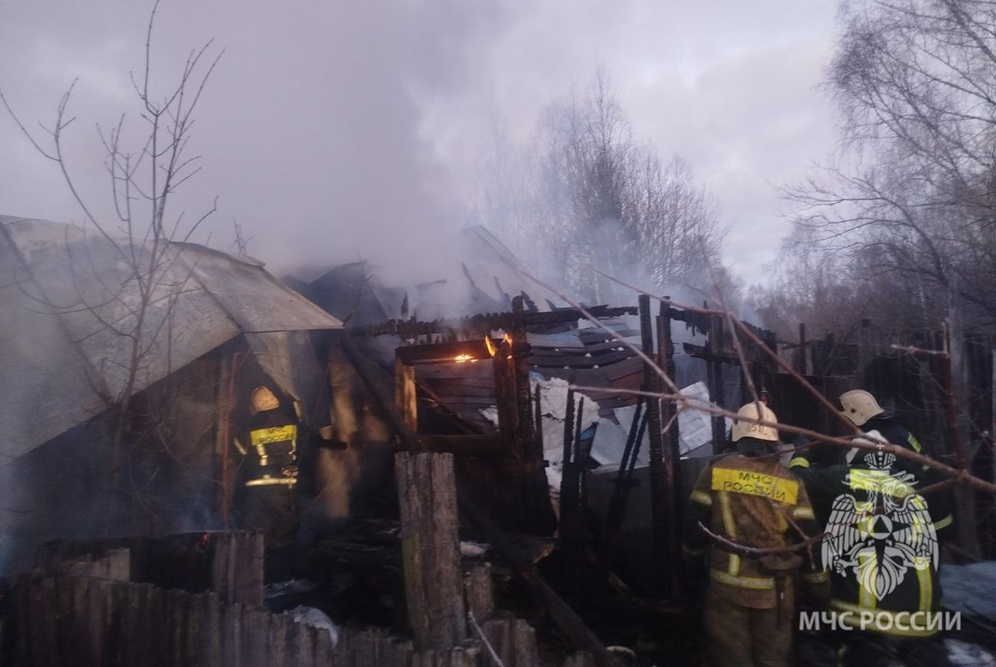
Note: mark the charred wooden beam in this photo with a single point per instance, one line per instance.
(658, 472)
(481, 446)
(616, 512)
(405, 395)
(505, 398)
(523, 392)
(411, 354)
(672, 456)
(478, 326)
(560, 612)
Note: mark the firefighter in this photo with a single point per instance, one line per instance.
(266, 480)
(861, 408)
(883, 547)
(749, 498)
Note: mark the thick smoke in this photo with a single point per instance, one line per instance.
(333, 132)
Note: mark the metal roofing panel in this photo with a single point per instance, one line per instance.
(47, 386)
(251, 296)
(71, 305)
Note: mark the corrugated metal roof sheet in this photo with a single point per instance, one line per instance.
(70, 300)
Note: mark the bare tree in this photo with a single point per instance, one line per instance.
(585, 195)
(131, 291)
(912, 197)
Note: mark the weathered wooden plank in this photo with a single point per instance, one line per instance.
(424, 659)
(231, 635)
(363, 648)
(254, 637)
(277, 644)
(431, 549)
(584, 360)
(471, 372)
(525, 649)
(465, 656)
(98, 617)
(237, 567)
(400, 654)
(173, 619)
(158, 629)
(442, 352)
(479, 592)
(448, 390)
(496, 631)
(324, 651)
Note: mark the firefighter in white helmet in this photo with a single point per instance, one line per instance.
(747, 498)
(264, 497)
(883, 490)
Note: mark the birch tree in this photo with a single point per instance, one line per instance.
(585, 195)
(911, 199)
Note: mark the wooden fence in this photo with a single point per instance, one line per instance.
(118, 602)
(67, 620)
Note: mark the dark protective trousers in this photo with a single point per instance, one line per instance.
(745, 637)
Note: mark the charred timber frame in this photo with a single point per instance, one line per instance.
(560, 612)
(663, 509)
(517, 453)
(720, 349)
(672, 468)
(476, 327)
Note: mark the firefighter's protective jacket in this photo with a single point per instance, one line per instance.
(882, 548)
(270, 450)
(749, 499)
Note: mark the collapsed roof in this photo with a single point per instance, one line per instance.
(479, 276)
(73, 304)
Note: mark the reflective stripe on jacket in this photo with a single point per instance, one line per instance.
(752, 501)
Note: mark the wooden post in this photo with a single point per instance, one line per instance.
(505, 399)
(672, 455)
(225, 398)
(658, 472)
(404, 393)
(525, 424)
(430, 549)
(562, 615)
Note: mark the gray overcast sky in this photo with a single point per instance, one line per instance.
(339, 129)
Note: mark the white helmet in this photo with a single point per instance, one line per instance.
(859, 406)
(744, 429)
(261, 400)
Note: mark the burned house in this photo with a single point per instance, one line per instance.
(546, 412)
(126, 369)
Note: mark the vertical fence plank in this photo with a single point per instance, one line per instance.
(431, 549)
